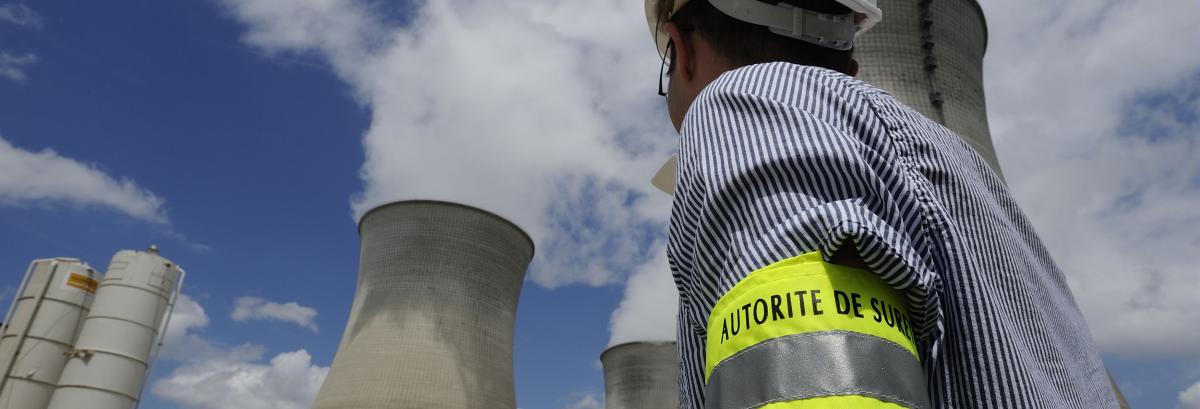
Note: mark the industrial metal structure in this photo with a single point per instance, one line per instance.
(42, 323)
(929, 55)
(431, 325)
(122, 332)
(641, 375)
(74, 340)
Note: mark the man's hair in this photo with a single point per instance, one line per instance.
(741, 43)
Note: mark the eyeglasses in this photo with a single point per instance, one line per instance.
(668, 54)
(668, 57)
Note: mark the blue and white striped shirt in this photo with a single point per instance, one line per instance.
(777, 160)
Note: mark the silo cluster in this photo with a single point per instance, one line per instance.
(76, 339)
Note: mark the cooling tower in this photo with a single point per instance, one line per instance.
(929, 55)
(432, 321)
(641, 375)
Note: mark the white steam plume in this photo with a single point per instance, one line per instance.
(542, 111)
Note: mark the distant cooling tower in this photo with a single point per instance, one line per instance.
(929, 54)
(641, 375)
(432, 321)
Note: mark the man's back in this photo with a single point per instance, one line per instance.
(778, 160)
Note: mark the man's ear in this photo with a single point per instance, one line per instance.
(685, 52)
(852, 69)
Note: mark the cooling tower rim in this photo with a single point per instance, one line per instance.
(633, 343)
(529, 240)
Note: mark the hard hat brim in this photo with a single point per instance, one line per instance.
(867, 8)
(656, 32)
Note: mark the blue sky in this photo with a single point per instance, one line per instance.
(244, 136)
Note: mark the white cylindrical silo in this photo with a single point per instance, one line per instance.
(431, 325)
(42, 323)
(929, 55)
(111, 356)
(641, 375)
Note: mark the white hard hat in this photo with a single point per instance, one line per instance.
(827, 30)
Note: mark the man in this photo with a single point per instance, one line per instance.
(834, 248)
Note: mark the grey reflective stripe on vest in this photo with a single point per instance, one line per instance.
(817, 364)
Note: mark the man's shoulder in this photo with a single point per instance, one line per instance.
(831, 100)
(845, 103)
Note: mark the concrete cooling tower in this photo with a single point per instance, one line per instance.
(432, 321)
(929, 55)
(641, 375)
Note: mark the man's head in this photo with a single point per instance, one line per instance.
(705, 42)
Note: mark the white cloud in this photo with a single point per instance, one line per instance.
(522, 108)
(19, 14)
(180, 340)
(185, 342)
(647, 311)
(47, 178)
(12, 66)
(288, 381)
(587, 401)
(254, 308)
(1097, 133)
(211, 375)
(1190, 397)
(187, 316)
